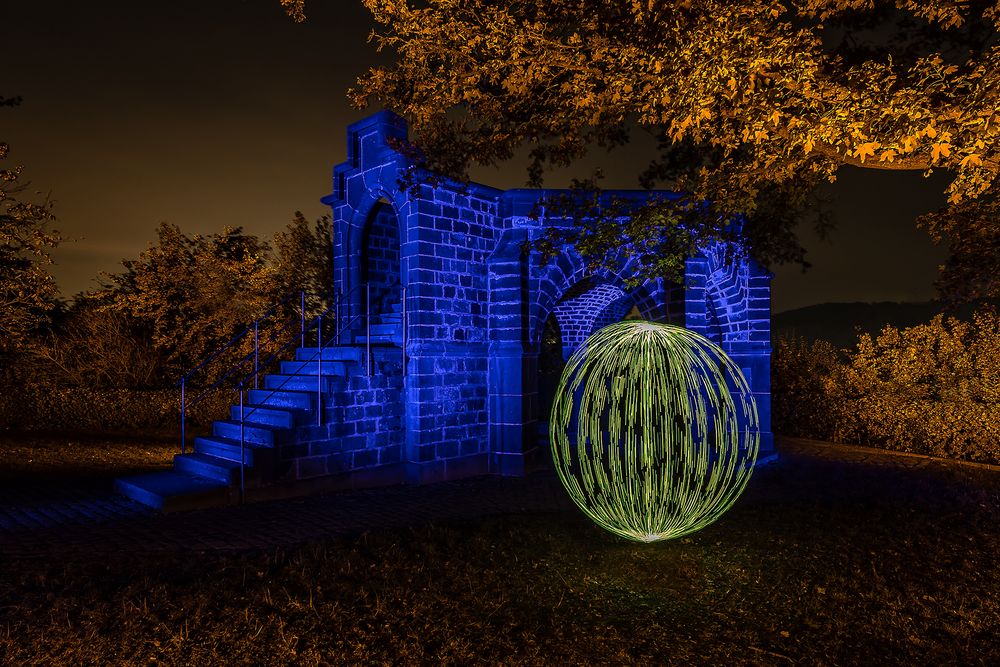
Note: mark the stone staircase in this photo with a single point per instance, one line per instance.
(271, 417)
(387, 327)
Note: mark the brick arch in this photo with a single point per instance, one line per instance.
(726, 299)
(363, 213)
(382, 205)
(555, 280)
(568, 270)
(587, 307)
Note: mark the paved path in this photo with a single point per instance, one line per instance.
(88, 521)
(85, 518)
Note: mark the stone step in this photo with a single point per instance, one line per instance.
(261, 434)
(313, 368)
(268, 415)
(170, 491)
(389, 318)
(382, 339)
(387, 328)
(300, 400)
(209, 467)
(387, 353)
(305, 383)
(344, 353)
(229, 450)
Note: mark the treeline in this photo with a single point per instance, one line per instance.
(928, 389)
(111, 357)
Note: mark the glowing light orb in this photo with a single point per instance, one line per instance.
(653, 429)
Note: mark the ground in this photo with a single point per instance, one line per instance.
(834, 555)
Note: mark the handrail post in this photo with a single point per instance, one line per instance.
(302, 316)
(319, 375)
(368, 328)
(183, 415)
(256, 352)
(242, 450)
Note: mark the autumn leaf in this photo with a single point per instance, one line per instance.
(972, 160)
(940, 150)
(866, 150)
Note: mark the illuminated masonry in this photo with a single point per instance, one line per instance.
(447, 279)
(476, 309)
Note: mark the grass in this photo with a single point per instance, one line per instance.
(32, 457)
(820, 562)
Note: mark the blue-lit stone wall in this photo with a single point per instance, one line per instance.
(448, 242)
(362, 426)
(730, 303)
(476, 304)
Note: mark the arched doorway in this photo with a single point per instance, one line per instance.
(551, 363)
(380, 267)
(588, 305)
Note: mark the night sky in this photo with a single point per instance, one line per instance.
(205, 114)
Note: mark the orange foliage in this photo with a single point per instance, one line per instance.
(931, 389)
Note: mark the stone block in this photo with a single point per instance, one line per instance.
(312, 466)
(389, 455)
(364, 458)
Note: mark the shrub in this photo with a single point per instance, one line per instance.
(82, 408)
(801, 387)
(930, 389)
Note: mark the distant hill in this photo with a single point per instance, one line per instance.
(840, 323)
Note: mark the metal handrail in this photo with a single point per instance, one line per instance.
(321, 345)
(232, 341)
(254, 354)
(255, 326)
(300, 337)
(319, 372)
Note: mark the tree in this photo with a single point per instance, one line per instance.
(185, 296)
(28, 292)
(95, 347)
(192, 293)
(769, 93)
(304, 261)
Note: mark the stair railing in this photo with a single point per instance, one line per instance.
(322, 344)
(227, 374)
(300, 337)
(243, 463)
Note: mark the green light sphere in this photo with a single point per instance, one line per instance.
(654, 430)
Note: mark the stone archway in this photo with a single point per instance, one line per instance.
(380, 258)
(551, 362)
(586, 307)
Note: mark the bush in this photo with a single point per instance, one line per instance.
(801, 387)
(930, 389)
(81, 408)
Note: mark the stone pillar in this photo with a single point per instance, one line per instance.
(513, 365)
